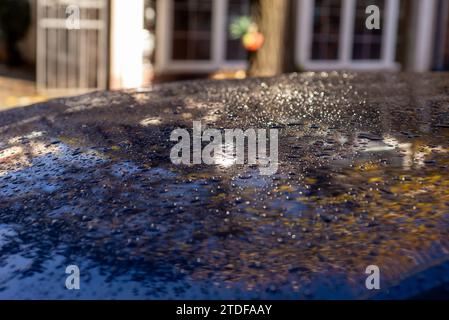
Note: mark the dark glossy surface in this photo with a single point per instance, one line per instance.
(363, 179)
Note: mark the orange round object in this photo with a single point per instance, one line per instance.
(253, 41)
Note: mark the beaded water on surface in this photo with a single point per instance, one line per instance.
(363, 179)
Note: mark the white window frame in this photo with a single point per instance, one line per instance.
(304, 33)
(164, 42)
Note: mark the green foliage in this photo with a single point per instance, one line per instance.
(239, 26)
(14, 19)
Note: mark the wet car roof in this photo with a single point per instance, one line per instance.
(362, 180)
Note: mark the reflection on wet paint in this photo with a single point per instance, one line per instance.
(363, 180)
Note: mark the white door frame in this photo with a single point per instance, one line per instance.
(304, 30)
(164, 36)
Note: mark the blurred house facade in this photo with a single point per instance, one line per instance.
(130, 43)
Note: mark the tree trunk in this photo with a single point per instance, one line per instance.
(272, 17)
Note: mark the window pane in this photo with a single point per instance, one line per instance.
(326, 29)
(367, 43)
(192, 29)
(234, 48)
